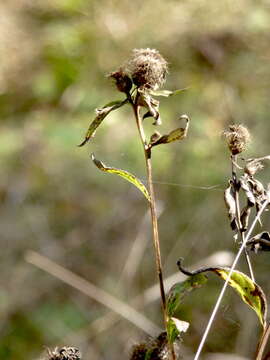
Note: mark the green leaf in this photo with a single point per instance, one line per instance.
(100, 116)
(175, 327)
(179, 291)
(177, 134)
(166, 93)
(125, 174)
(251, 293)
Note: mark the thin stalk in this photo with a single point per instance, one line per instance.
(238, 214)
(212, 317)
(153, 210)
(263, 342)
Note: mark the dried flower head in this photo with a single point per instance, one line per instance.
(64, 353)
(147, 68)
(237, 137)
(122, 80)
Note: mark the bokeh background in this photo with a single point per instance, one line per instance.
(54, 58)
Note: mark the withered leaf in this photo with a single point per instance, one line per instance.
(174, 135)
(260, 242)
(100, 116)
(230, 205)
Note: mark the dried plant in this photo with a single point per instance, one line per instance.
(139, 78)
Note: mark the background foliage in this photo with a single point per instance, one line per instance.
(54, 55)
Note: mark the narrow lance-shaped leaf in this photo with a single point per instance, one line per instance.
(167, 93)
(124, 174)
(250, 292)
(100, 116)
(175, 135)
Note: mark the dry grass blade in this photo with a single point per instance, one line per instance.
(92, 291)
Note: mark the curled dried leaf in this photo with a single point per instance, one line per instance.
(260, 242)
(151, 104)
(230, 205)
(177, 134)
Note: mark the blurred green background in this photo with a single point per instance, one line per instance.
(54, 58)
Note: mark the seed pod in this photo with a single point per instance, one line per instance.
(237, 138)
(147, 68)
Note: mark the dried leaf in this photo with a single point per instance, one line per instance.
(151, 105)
(167, 93)
(230, 205)
(124, 174)
(260, 242)
(245, 217)
(248, 191)
(100, 116)
(177, 134)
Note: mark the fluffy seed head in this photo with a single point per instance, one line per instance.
(147, 68)
(237, 137)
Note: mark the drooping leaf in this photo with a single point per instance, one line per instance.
(177, 134)
(100, 116)
(124, 174)
(260, 242)
(166, 93)
(230, 205)
(152, 106)
(175, 327)
(250, 292)
(180, 290)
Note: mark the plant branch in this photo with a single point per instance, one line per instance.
(212, 317)
(263, 342)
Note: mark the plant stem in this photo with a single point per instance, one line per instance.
(263, 342)
(238, 214)
(152, 203)
(214, 312)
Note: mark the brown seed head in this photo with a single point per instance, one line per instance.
(122, 80)
(237, 137)
(147, 68)
(64, 353)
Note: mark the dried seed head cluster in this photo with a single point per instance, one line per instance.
(237, 137)
(147, 68)
(154, 349)
(64, 353)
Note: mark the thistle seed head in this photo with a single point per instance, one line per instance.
(64, 353)
(147, 68)
(237, 137)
